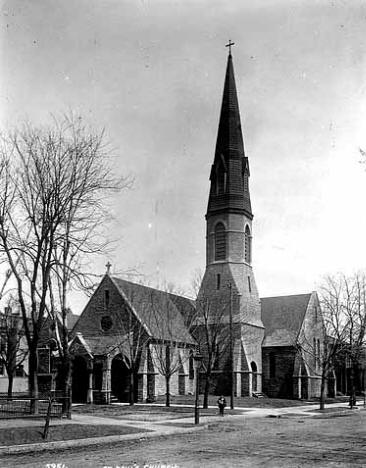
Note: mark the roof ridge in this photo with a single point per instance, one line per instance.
(151, 288)
(287, 295)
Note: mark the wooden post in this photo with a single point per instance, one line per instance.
(48, 417)
(198, 358)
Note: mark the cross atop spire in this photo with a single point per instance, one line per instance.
(229, 45)
(108, 265)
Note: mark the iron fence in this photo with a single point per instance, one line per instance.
(21, 405)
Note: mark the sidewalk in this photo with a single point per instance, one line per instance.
(147, 429)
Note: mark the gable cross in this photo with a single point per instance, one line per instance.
(108, 265)
(229, 45)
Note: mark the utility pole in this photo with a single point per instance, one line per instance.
(232, 386)
(198, 359)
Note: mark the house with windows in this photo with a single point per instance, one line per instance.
(13, 351)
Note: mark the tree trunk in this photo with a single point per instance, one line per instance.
(10, 384)
(207, 389)
(167, 387)
(352, 397)
(132, 388)
(65, 384)
(322, 391)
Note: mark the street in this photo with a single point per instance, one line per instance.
(288, 441)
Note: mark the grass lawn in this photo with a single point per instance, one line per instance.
(241, 402)
(33, 434)
(145, 413)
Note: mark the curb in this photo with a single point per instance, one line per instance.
(65, 444)
(345, 412)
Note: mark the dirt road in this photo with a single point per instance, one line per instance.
(265, 442)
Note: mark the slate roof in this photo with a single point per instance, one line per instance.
(158, 310)
(71, 320)
(282, 317)
(101, 345)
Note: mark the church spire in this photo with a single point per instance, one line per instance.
(230, 171)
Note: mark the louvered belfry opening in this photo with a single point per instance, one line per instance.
(220, 242)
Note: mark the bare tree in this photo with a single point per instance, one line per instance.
(212, 333)
(320, 356)
(172, 340)
(210, 328)
(344, 306)
(53, 184)
(12, 350)
(132, 342)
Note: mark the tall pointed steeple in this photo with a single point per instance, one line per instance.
(228, 288)
(229, 190)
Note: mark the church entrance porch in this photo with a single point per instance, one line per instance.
(120, 379)
(80, 379)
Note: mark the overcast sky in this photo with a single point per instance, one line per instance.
(152, 72)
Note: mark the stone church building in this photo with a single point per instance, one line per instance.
(271, 345)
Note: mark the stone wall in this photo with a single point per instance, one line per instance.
(280, 384)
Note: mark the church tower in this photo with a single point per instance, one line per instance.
(228, 284)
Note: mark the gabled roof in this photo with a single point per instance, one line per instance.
(186, 306)
(71, 320)
(282, 318)
(99, 345)
(159, 311)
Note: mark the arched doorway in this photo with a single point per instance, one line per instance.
(253, 366)
(80, 380)
(120, 379)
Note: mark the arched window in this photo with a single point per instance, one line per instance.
(220, 242)
(248, 245)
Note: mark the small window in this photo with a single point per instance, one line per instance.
(248, 245)
(44, 360)
(218, 281)
(106, 298)
(272, 365)
(106, 323)
(249, 285)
